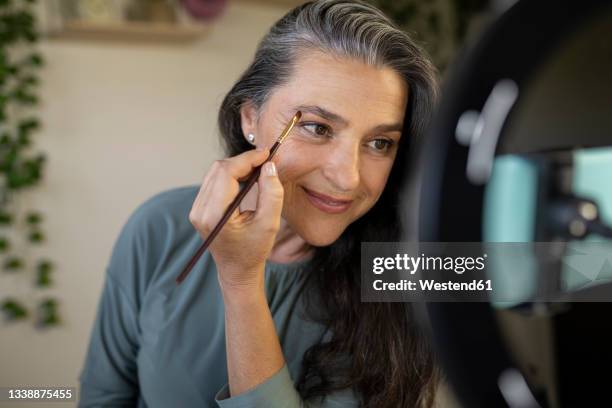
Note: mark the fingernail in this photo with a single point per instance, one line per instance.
(270, 169)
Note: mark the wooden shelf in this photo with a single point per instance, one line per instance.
(130, 31)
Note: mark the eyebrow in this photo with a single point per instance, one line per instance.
(394, 127)
(334, 117)
(324, 113)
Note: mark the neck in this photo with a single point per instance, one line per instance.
(289, 246)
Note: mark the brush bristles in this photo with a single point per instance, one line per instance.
(294, 120)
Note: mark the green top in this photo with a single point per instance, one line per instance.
(158, 344)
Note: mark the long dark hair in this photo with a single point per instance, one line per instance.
(389, 361)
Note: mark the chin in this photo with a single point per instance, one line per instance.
(320, 238)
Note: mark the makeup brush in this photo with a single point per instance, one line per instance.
(236, 202)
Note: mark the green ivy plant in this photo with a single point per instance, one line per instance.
(20, 167)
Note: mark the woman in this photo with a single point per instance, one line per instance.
(271, 315)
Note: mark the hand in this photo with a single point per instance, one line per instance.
(244, 243)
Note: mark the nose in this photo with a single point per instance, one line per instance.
(342, 166)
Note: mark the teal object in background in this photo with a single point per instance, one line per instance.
(509, 215)
(592, 180)
(511, 200)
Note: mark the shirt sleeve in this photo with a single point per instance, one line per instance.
(109, 375)
(279, 391)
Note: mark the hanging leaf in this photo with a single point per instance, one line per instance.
(29, 81)
(13, 263)
(21, 174)
(12, 70)
(5, 218)
(4, 244)
(31, 171)
(45, 266)
(33, 218)
(50, 319)
(5, 140)
(30, 123)
(48, 304)
(18, 88)
(30, 36)
(24, 130)
(14, 179)
(13, 309)
(23, 23)
(47, 313)
(23, 140)
(43, 279)
(23, 97)
(36, 237)
(36, 60)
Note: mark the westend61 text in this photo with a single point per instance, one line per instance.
(432, 285)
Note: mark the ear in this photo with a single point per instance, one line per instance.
(248, 118)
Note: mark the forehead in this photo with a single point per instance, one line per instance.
(345, 86)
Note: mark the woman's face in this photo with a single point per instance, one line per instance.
(342, 148)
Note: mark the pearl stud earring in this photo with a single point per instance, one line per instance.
(251, 138)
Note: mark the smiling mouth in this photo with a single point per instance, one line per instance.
(327, 204)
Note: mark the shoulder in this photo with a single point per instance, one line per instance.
(168, 203)
(151, 233)
(166, 212)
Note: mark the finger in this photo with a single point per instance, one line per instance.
(212, 199)
(207, 178)
(241, 166)
(223, 188)
(220, 188)
(219, 174)
(270, 199)
(204, 189)
(215, 200)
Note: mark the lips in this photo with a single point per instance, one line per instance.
(326, 203)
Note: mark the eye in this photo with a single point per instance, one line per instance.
(382, 145)
(317, 129)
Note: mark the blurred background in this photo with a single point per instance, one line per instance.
(104, 103)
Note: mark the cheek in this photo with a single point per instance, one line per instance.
(376, 181)
(294, 160)
(290, 168)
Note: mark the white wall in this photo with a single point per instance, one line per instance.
(121, 123)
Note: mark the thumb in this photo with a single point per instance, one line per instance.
(270, 199)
